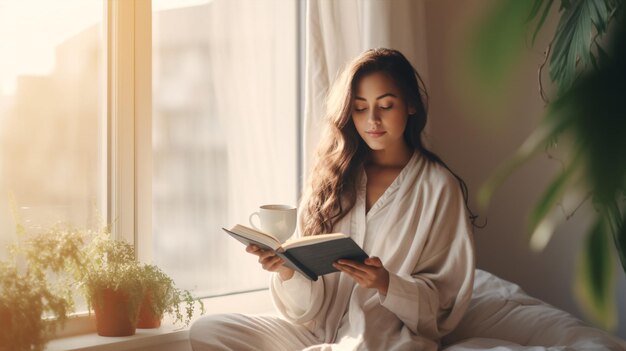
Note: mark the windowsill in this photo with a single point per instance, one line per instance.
(144, 339)
(167, 337)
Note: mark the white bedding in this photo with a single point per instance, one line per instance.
(502, 317)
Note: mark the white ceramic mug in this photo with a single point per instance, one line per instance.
(278, 220)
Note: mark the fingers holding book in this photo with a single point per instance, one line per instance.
(369, 274)
(270, 261)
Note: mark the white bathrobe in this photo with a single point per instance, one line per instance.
(420, 230)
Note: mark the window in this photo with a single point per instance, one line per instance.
(224, 124)
(222, 95)
(52, 130)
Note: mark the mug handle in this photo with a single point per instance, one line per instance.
(252, 223)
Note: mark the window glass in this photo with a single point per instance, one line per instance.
(52, 165)
(224, 133)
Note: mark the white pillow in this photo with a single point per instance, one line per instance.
(502, 310)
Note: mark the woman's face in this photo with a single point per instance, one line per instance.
(379, 112)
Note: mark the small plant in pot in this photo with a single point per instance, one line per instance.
(35, 286)
(24, 301)
(161, 297)
(113, 285)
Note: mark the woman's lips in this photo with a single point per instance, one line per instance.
(376, 134)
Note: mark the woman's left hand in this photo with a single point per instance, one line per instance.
(369, 274)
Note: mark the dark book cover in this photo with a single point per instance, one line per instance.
(318, 258)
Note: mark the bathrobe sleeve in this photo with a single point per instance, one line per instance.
(431, 299)
(297, 299)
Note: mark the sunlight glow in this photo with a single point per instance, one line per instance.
(161, 5)
(32, 29)
(540, 238)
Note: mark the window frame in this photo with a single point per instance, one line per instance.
(127, 131)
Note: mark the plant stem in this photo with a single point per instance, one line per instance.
(546, 55)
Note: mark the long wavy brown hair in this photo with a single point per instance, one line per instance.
(331, 192)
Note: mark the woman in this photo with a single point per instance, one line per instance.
(375, 181)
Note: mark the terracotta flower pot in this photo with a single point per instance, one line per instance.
(147, 319)
(113, 317)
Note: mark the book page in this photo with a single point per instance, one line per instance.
(312, 239)
(255, 237)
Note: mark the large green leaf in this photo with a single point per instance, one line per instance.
(595, 278)
(537, 5)
(590, 110)
(620, 241)
(597, 110)
(574, 35)
(551, 196)
(617, 222)
(544, 14)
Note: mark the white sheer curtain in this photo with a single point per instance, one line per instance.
(224, 133)
(337, 31)
(256, 103)
(254, 56)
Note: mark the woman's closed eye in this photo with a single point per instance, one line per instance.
(382, 107)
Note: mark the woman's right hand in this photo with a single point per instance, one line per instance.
(271, 262)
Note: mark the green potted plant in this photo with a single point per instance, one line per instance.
(126, 294)
(113, 285)
(161, 297)
(35, 286)
(586, 64)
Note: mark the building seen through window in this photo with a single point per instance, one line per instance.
(224, 133)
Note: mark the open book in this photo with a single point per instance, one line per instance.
(312, 256)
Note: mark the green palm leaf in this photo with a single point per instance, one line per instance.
(617, 221)
(590, 110)
(552, 195)
(535, 10)
(620, 241)
(595, 279)
(572, 43)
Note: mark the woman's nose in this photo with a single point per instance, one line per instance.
(373, 117)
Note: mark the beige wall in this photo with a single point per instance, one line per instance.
(474, 139)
